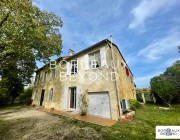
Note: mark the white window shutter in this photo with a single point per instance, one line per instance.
(77, 64)
(42, 77)
(55, 71)
(78, 94)
(68, 68)
(65, 98)
(103, 56)
(53, 96)
(51, 75)
(86, 62)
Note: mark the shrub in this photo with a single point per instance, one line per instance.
(164, 88)
(139, 97)
(25, 97)
(134, 104)
(83, 104)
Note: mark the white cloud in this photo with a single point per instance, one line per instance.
(161, 47)
(147, 9)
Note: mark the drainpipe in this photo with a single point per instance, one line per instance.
(116, 85)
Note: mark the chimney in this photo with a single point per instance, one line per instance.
(70, 52)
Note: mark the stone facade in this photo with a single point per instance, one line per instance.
(98, 80)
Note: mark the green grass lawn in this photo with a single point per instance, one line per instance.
(142, 127)
(144, 123)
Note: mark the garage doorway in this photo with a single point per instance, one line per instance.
(99, 104)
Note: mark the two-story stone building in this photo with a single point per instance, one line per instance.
(100, 71)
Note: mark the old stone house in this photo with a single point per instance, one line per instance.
(99, 71)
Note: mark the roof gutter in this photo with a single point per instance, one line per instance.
(116, 85)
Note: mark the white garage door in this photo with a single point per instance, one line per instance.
(99, 105)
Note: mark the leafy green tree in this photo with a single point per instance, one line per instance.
(164, 88)
(11, 83)
(25, 97)
(173, 74)
(27, 34)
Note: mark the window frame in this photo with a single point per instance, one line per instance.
(74, 89)
(74, 65)
(93, 62)
(53, 74)
(45, 76)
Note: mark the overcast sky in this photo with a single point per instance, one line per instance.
(147, 32)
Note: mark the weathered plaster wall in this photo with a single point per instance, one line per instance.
(86, 80)
(125, 84)
(93, 84)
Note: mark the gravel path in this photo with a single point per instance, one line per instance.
(30, 124)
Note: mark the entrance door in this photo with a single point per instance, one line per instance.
(73, 97)
(42, 97)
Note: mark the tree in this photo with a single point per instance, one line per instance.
(164, 88)
(25, 97)
(167, 85)
(27, 34)
(11, 83)
(173, 74)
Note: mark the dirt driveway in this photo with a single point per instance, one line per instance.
(31, 124)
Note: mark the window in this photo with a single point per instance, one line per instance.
(51, 94)
(122, 64)
(131, 79)
(45, 76)
(53, 73)
(41, 77)
(95, 60)
(36, 95)
(73, 67)
(73, 98)
(38, 78)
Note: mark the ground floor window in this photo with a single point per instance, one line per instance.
(73, 97)
(51, 94)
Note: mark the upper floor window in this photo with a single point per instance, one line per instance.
(131, 79)
(95, 60)
(74, 67)
(37, 80)
(45, 76)
(53, 73)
